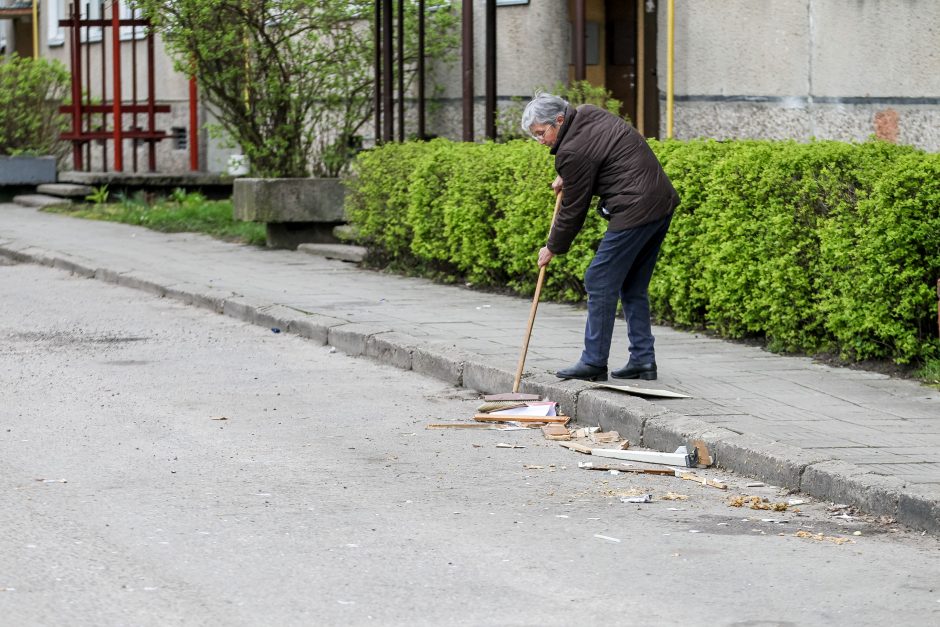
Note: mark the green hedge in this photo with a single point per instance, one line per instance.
(824, 246)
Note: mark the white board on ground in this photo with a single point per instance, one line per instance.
(630, 389)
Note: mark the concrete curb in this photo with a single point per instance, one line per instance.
(637, 419)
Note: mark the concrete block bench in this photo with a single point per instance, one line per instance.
(23, 170)
(295, 211)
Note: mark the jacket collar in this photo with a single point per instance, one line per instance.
(570, 113)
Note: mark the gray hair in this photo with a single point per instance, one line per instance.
(543, 109)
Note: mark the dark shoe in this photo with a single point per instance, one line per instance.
(647, 372)
(584, 372)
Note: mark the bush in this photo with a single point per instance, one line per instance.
(880, 264)
(748, 259)
(824, 246)
(31, 92)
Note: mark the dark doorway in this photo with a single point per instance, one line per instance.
(631, 72)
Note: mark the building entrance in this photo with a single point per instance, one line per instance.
(630, 74)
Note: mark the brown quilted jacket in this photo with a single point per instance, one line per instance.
(599, 154)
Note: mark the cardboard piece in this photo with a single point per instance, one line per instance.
(556, 432)
(638, 391)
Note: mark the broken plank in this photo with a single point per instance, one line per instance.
(458, 425)
(574, 446)
(647, 457)
(556, 431)
(604, 437)
(511, 396)
(667, 472)
(512, 418)
(704, 457)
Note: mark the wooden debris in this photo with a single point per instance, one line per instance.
(574, 446)
(584, 432)
(672, 496)
(688, 476)
(511, 396)
(504, 445)
(667, 472)
(486, 408)
(604, 437)
(459, 425)
(821, 538)
(704, 457)
(756, 502)
(528, 419)
(556, 431)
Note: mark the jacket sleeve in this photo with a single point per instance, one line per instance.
(579, 175)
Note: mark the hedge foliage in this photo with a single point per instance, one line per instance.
(31, 91)
(824, 246)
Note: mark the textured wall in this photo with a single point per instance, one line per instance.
(830, 69)
(737, 47)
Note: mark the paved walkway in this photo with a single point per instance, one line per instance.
(845, 435)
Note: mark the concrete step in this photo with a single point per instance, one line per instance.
(343, 252)
(65, 190)
(41, 201)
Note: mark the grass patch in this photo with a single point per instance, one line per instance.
(181, 212)
(930, 373)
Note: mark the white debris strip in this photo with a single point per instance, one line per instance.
(600, 537)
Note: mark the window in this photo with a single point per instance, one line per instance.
(90, 11)
(55, 11)
(129, 12)
(180, 140)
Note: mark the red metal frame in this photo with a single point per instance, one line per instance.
(193, 126)
(82, 134)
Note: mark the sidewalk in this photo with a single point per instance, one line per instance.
(848, 436)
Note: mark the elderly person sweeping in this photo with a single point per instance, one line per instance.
(599, 154)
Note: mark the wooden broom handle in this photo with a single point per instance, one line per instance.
(534, 309)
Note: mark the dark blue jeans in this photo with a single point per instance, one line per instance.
(621, 270)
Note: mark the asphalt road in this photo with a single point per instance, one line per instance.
(161, 465)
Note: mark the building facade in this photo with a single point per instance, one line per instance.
(776, 69)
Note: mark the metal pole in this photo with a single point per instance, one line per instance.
(35, 29)
(490, 107)
(388, 132)
(641, 67)
(136, 141)
(151, 106)
(401, 70)
(116, 104)
(89, 118)
(104, 85)
(467, 64)
(421, 129)
(377, 64)
(580, 43)
(193, 125)
(76, 33)
(670, 65)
